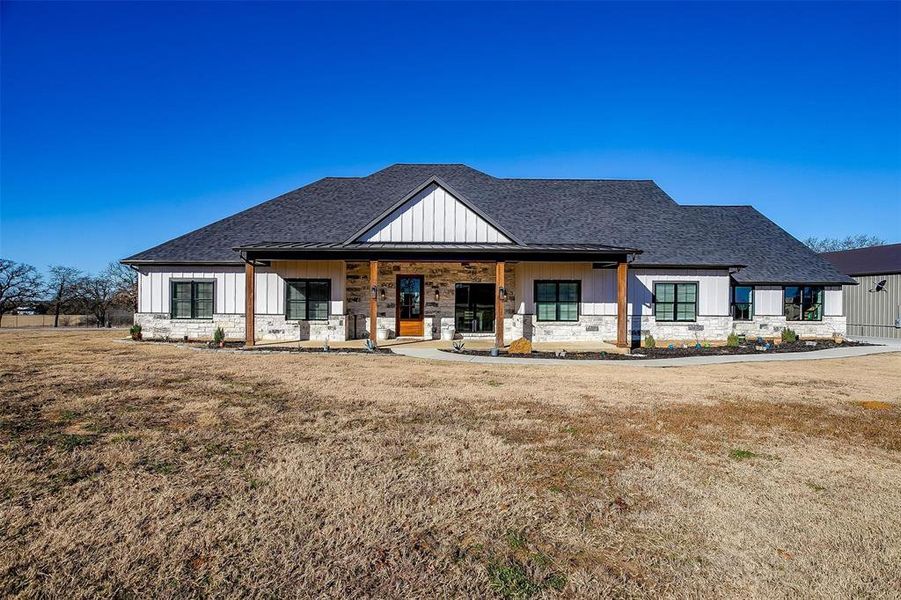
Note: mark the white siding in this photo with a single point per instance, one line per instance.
(270, 283)
(153, 287)
(599, 287)
(713, 289)
(434, 215)
(833, 302)
(768, 301)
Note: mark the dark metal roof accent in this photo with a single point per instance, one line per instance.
(439, 247)
(875, 260)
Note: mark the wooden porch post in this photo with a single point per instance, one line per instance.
(623, 339)
(373, 299)
(499, 305)
(249, 284)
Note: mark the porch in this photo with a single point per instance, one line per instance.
(489, 294)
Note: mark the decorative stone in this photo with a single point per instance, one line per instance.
(520, 346)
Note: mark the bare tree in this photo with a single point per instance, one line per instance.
(851, 242)
(126, 284)
(114, 286)
(64, 289)
(19, 283)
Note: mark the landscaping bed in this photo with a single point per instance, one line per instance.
(318, 350)
(678, 352)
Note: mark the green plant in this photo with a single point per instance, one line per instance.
(135, 332)
(649, 341)
(511, 580)
(739, 454)
(219, 336)
(732, 340)
(789, 335)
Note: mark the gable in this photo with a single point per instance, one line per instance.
(434, 215)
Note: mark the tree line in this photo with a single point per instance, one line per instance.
(66, 289)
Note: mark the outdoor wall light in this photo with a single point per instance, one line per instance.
(437, 294)
(373, 292)
(382, 293)
(502, 293)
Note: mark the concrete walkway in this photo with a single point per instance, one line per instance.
(848, 352)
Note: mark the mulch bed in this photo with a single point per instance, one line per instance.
(666, 352)
(318, 350)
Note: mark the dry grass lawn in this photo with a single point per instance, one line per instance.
(152, 470)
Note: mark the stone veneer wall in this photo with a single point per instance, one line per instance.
(769, 326)
(439, 314)
(159, 326)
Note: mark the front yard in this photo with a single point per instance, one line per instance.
(153, 470)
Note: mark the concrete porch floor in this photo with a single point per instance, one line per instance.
(471, 344)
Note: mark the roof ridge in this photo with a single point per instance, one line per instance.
(570, 179)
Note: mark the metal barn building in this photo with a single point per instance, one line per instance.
(873, 308)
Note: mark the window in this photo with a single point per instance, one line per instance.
(474, 307)
(307, 299)
(675, 301)
(557, 300)
(803, 302)
(191, 299)
(742, 302)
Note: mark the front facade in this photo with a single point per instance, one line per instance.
(444, 251)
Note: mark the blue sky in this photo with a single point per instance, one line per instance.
(123, 125)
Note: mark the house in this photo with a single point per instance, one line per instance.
(440, 250)
(873, 307)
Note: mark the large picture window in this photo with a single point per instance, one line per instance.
(191, 299)
(557, 300)
(307, 299)
(742, 302)
(676, 301)
(803, 302)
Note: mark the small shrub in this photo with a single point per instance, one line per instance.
(511, 580)
(789, 335)
(732, 340)
(135, 332)
(739, 454)
(218, 336)
(649, 341)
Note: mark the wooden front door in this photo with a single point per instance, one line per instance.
(409, 305)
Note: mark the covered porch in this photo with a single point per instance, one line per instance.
(393, 293)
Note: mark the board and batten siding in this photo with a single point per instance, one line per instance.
(434, 215)
(270, 283)
(599, 287)
(153, 287)
(769, 301)
(154, 294)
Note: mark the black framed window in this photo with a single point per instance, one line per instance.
(191, 299)
(557, 300)
(307, 299)
(743, 302)
(803, 302)
(474, 307)
(676, 301)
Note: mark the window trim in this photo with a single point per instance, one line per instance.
(557, 302)
(175, 280)
(750, 304)
(801, 318)
(307, 281)
(675, 303)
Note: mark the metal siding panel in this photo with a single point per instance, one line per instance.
(416, 218)
(428, 217)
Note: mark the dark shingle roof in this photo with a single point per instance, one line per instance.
(876, 260)
(620, 213)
